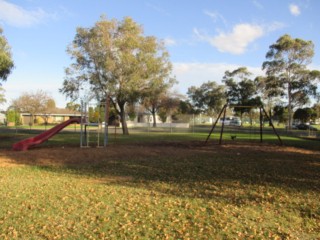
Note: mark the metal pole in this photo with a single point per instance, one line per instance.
(261, 123)
(193, 123)
(222, 127)
(274, 130)
(215, 123)
(115, 129)
(81, 125)
(148, 123)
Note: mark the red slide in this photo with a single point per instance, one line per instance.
(33, 141)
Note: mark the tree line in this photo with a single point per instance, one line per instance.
(114, 60)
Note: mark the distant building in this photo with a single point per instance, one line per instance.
(2, 118)
(58, 115)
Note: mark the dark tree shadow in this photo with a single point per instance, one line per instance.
(188, 170)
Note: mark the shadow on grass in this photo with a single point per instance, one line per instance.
(237, 174)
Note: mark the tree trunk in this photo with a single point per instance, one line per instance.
(154, 118)
(270, 114)
(289, 107)
(125, 130)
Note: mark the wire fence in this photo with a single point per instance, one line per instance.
(247, 128)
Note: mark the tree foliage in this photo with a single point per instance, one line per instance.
(13, 117)
(6, 62)
(114, 59)
(239, 87)
(316, 110)
(208, 98)
(280, 113)
(38, 102)
(72, 106)
(170, 103)
(2, 96)
(241, 90)
(156, 99)
(287, 72)
(185, 107)
(304, 114)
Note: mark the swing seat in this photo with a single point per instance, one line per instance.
(233, 137)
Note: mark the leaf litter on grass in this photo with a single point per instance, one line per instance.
(160, 192)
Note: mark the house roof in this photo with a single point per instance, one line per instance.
(56, 112)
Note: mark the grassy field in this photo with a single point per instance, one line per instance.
(160, 186)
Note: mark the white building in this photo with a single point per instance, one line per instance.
(2, 118)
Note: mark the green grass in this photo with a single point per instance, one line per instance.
(203, 196)
(70, 137)
(216, 192)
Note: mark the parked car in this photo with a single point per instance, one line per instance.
(232, 121)
(293, 127)
(303, 126)
(235, 122)
(225, 121)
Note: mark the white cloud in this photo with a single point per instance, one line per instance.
(236, 41)
(294, 10)
(17, 16)
(194, 74)
(170, 42)
(215, 16)
(271, 27)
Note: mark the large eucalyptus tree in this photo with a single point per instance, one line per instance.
(287, 72)
(115, 60)
(241, 90)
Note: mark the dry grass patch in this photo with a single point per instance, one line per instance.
(161, 190)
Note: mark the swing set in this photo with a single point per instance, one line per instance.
(233, 135)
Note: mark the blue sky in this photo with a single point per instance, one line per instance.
(204, 37)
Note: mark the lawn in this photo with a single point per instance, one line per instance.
(160, 186)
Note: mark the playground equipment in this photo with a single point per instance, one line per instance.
(94, 124)
(88, 131)
(236, 129)
(33, 141)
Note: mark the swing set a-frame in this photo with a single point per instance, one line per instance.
(262, 112)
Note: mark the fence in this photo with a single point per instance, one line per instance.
(181, 124)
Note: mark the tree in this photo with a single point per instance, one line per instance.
(75, 107)
(269, 91)
(169, 106)
(2, 96)
(316, 110)
(38, 102)
(241, 90)
(51, 104)
(287, 73)
(185, 107)
(13, 117)
(131, 110)
(304, 114)
(117, 61)
(6, 62)
(280, 113)
(208, 98)
(154, 98)
(94, 114)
